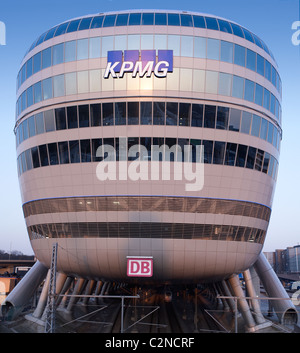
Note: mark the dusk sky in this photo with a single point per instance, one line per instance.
(271, 20)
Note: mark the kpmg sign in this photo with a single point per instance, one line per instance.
(138, 63)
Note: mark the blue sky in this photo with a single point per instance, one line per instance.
(269, 19)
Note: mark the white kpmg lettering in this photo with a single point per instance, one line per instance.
(296, 35)
(160, 69)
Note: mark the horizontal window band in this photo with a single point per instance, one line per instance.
(147, 203)
(146, 230)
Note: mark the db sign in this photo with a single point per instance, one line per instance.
(139, 266)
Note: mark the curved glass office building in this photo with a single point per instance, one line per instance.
(128, 81)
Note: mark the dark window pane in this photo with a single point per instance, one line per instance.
(29, 68)
(95, 113)
(210, 116)
(133, 113)
(259, 160)
(158, 113)
(35, 157)
(170, 142)
(186, 20)
(73, 26)
(110, 142)
(147, 18)
(171, 113)
(120, 113)
(230, 153)
(235, 119)
(173, 19)
(132, 141)
(146, 113)
(97, 22)
(222, 118)
(239, 55)
(251, 60)
(122, 19)
(160, 19)
(74, 151)
(260, 65)
(241, 156)
(199, 21)
(184, 114)
(85, 23)
(61, 29)
(63, 152)
(72, 117)
(60, 118)
(96, 143)
(146, 141)
(109, 21)
(50, 33)
(157, 142)
(53, 155)
(85, 149)
(266, 163)
(251, 157)
(107, 113)
(194, 144)
(83, 111)
(135, 19)
(219, 150)
(46, 58)
(211, 23)
(224, 26)
(248, 35)
(197, 115)
(37, 62)
(208, 148)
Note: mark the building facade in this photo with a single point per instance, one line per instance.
(151, 78)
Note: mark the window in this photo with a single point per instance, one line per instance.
(186, 20)
(83, 81)
(251, 60)
(208, 149)
(270, 132)
(224, 26)
(63, 152)
(49, 120)
(109, 20)
(263, 129)
(187, 46)
(85, 23)
(239, 55)
(267, 70)
(43, 155)
(53, 155)
(95, 114)
(60, 119)
(266, 163)
(39, 121)
(235, 120)
(29, 68)
(246, 122)
(71, 83)
(258, 94)
(211, 82)
(135, 19)
(197, 115)
(184, 114)
(74, 151)
(172, 113)
(210, 116)
(219, 150)
(255, 125)
(120, 113)
(97, 22)
(35, 157)
(199, 47)
(260, 65)
(213, 48)
(241, 156)
(266, 102)
(251, 157)
(249, 90)
(82, 49)
(58, 54)
(95, 47)
(225, 84)
(211, 23)
(83, 112)
(72, 117)
(146, 113)
(174, 44)
(37, 61)
(226, 51)
(230, 153)
(173, 19)
(96, 143)
(47, 88)
(108, 44)
(158, 113)
(85, 149)
(73, 26)
(58, 86)
(29, 96)
(160, 19)
(31, 126)
(61, 29)
(107, 113)
(37, 92)
(222, 118)
(25, 129)
(238, 87)
(122, 19)
(147, 18)
(70, 51)
(199, 21)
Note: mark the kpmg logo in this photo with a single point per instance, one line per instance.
(137, 63)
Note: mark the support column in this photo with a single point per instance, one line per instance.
(78, 287)
(38, 312)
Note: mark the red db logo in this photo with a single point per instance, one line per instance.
(139, 266)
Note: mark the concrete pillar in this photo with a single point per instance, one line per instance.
(43, 298)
